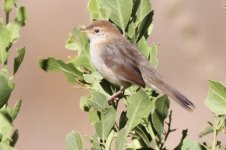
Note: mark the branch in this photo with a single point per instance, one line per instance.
(169, 130)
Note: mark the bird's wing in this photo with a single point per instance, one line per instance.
(123, 65)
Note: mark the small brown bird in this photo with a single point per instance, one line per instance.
(118, 61)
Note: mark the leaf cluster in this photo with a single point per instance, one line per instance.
(144, 122)
(216, 102)
(141, 123)
(9, 33)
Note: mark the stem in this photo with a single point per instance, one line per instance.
(169, 130)
(149, 127)
(214, 138)
(218, 122)
(7, 18)
(109, 140)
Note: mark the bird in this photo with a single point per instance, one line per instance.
(119, 62)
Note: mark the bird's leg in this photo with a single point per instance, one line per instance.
(114, 96)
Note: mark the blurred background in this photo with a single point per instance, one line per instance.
(192, 39)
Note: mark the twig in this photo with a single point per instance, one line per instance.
(169, 130)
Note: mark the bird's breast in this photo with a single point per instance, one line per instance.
(96, 54)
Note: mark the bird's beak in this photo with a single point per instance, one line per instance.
(85, 31)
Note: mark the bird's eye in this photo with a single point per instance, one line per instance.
(97, 30)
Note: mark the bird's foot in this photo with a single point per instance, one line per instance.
(114, 97)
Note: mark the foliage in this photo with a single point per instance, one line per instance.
(145, 121)
(9, 33)
(215, 101)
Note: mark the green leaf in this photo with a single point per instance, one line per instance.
(14, 30)
(184, 135)
(144, 27)
(5, 125)
(4, 43)
(143, 18)
(216, 99)
(8, 35)
(205, 131)
(21, 15)
(3, 56)
(94, 116)
(84, 103)
(149, 53)
(96, 11)
(78, 41)
(5, 37)
(14, 138)
(104, 126)
(121, 139)
(139, 106)
(95, 143)
(98, 101)
(8, 5)
(144, 8)
(160, 113)
(74, 141)
(120, 10)
(105, 87)
(5, 146)
(15, 110)
(93, 77)
(6, 87)
(142, 133)
(51, 64)
(19, 58)
(191, 145)
(71, 43)
(131, 30)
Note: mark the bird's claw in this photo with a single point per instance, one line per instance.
(114, 97)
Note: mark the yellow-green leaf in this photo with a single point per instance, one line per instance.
(6, 87)
(19, 58)
(139, 107)
(56, 65)
(8, 5)
(74, 141)
(21, 15)
(216, 99)
(96, 11)
(121, 139)
(104, 126)
(120, 11)
(98, 101)
(160, 113)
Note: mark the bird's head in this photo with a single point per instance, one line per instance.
(100, 30)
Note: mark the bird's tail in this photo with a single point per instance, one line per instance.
(152, 78)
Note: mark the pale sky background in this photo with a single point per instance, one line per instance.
(192, 38)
